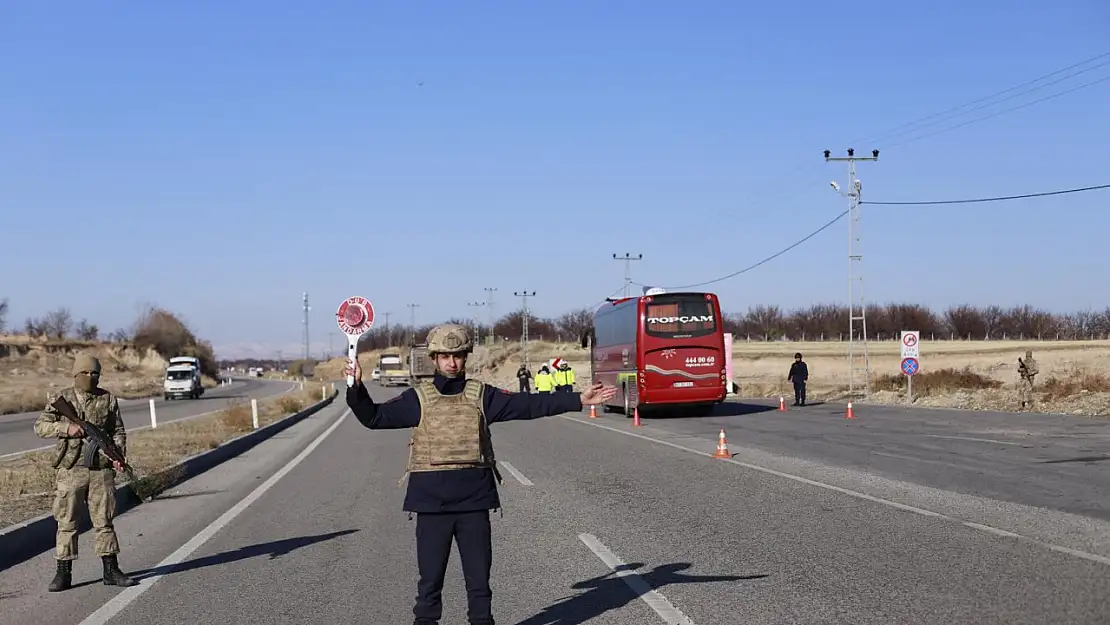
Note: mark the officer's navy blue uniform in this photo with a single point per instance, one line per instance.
(799, 373)
(454, 504)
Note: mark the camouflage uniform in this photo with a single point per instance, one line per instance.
(1027, 369)
(81, 479)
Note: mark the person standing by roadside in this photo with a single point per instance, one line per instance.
(798, 376)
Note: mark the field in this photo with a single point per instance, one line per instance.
(958, 374)
(26, 481)
(33, 368)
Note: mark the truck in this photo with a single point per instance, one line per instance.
(420, 363)
(393, 371)
(182, 378)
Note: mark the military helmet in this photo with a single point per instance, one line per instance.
(449, 338)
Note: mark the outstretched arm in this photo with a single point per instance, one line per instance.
(402, 411)
(502, 405)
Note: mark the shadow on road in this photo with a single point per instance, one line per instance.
(273, 549)
(199, 493)
(1079, 459)
(738, 409)
(609, 592)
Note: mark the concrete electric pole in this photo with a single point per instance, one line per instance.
(474, 320)
(412, 323)
(628, 258)
(524, 295)
(858, 359)
(489, 309)
(305, 337)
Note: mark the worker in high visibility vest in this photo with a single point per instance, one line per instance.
(544, 380)
(564, 378)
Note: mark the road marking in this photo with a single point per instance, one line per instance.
(147, 427)
(657, 602)
(851, 493)
(113, 607)
(516, 473)
(977, 440)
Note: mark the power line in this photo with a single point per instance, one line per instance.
(984, 99)
(994, 199)
(1002, 112)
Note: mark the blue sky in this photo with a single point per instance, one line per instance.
(220, 158)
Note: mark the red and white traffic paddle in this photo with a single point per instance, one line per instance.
(355, 318)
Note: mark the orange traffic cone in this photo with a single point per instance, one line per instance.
(850, 414)
(636, 417)
(782, 404)
(593, 412)
(722, 446)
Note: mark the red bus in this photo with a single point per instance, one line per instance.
(661, 350)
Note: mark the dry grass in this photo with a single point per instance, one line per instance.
(31, 369)
(958, 374)
(26, 482)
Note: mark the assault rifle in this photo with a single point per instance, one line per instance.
(97, 441)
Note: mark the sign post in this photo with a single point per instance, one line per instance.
(911, 352)
(728, 363)
(355, 318)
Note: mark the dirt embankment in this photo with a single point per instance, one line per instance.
(32, 369)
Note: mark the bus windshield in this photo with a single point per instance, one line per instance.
(680, 317)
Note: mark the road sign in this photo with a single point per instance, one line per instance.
(910, 344)
(910, 366)
(355, 318)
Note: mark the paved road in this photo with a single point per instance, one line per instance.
(760, 538)
(17, 430)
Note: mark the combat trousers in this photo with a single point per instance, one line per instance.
(81, 487)
(524, 386)
(471, 532)
(799, 393)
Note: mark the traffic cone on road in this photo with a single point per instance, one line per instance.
(636, 417)
(849, 414)
(782, 404)
(722, 446)
(593, 412)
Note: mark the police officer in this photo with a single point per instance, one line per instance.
(799, 374)
(452, 468)
(545, 382)
(524, 377)
(83, 478)
(564, 378)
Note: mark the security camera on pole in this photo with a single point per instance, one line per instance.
(355, 318)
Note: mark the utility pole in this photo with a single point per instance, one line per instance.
(305, 338)
(628, 258)
(388, 334)
(524, 295)
(474, 320)
(858, 359)
(489, 309)
(330, 345)
(412, 323)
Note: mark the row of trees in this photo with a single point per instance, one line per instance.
(820, 322)
(155, 329)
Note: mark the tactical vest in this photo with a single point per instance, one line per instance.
(453, 432)
(93, 408)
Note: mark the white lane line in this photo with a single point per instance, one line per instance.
(147, 427)
(516, 473)
(851, 493)
(657, 602)
(113, 607)
(975, 440)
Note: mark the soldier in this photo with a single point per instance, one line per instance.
(451, 465)
(84, 478)
(524, 377)
(799, 374)
(1027, 370)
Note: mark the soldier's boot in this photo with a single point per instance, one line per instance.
(63, 578)
(112, 575)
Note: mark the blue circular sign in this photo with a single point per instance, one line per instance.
(910, 366)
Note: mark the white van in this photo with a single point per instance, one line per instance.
(182, 379)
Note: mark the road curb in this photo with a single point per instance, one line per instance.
(25, 540)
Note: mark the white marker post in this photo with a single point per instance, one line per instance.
(355, 318)
(254, 413)
(153, 415)
(911, 353)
